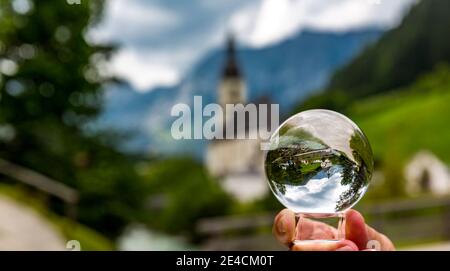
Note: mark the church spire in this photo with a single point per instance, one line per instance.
(232, 87)
(231, 67)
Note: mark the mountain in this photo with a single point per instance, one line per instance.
(415, 47)
(285, 73)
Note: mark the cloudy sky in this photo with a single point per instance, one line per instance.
(161, 39)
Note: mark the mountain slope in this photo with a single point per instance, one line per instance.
(285, 73)
(414, 48)
(403, 122)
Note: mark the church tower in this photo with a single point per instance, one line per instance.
(236, 163)
(232, 86)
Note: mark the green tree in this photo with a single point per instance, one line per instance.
(182, 193)
(50, 88)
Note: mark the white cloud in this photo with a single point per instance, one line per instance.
(351, 14)
(275, 20)
(131, 23)
(160, 40)
(131, 19)
(144, 70)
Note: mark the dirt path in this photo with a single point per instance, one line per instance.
(21, 228)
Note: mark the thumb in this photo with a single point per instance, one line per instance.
(355, 229)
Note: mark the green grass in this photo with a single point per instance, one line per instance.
(407, 121)
(71, 230)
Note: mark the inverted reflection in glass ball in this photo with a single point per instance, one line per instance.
(319, 162)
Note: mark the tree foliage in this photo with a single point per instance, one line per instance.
(50, 88)
(183, 192)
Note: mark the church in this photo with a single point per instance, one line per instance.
(237, 163)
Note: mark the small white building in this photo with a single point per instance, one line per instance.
(425, 173)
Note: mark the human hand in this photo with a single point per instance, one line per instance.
(357, 233)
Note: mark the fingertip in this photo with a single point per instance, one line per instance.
(284, 221)
(354, 216)
(284, 227)
(355, 228)
(286, 213)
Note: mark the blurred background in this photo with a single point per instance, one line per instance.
(86, 89)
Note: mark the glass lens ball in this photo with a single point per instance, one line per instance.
(319, 162)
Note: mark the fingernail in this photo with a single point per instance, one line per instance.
(280, 225)
(345, 248)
